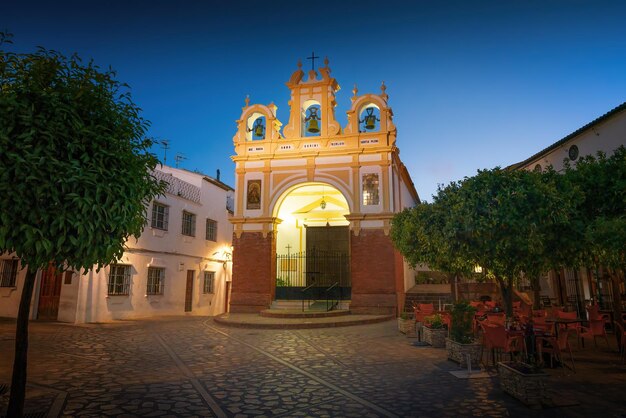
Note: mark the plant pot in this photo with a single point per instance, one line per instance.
(435, 337)
(523, 383)
(406, 326)
(458, 352)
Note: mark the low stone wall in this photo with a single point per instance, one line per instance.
(473, 291)
(435, 337)
(458, 352)
(528, 388)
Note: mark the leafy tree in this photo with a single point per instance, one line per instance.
(509, 220)
(424, 234)
(75, 172)
(602, 215)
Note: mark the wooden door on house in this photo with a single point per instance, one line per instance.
(49, 294)
(189, 290)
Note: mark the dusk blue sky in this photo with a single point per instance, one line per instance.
(473, 84)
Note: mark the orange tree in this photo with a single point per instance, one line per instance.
(75, 172)
(511, 222)
(425, 233)
(602, 215)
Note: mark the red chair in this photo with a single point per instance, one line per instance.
(495, 338)
(570, 315)
(496, 319)
(595, 329)
(556, 346)
(422, 310)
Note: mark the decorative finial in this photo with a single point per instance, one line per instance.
(355, 90)
(299, 64)
(383, 90)
(326, 61)
(247, 100)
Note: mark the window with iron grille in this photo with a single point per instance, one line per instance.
(370, 189)
(160, 215)
(156, 277)
(119, 280)
(209, 279)
(211, 230)
(8, 273)
(189, 224)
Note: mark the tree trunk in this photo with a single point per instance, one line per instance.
(536, 285)
(506, 290)
(617, 300)
(18, 381)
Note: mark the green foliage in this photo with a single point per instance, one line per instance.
(434, 321)
(75, 171)
(462, 321)
(601, 211)
(280, 282)
(424, 234)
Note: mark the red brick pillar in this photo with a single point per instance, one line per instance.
(373, 273)
(254, 267)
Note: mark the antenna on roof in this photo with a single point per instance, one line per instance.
(179, 157)
(165, 144)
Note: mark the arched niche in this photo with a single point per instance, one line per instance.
(246, 124)
(306, 205)
(256, 127)
(311, 118)
(369, 118)
(358, 110)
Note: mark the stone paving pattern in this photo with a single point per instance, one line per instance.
(190, 366)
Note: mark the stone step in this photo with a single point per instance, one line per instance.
(295, 313)
(262, 322)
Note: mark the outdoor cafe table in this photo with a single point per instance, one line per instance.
(566, 322)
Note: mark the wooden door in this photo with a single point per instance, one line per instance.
(189, 290)
(49, 294)
(327, 252)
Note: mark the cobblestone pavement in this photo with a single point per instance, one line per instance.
(189, 366)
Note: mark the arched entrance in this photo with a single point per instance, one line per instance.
(312, 244)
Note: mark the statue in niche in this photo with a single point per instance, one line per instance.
(253, 200)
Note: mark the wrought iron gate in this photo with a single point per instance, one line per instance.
(317, 270)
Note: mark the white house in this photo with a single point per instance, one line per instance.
(606, 134)
(180, 264)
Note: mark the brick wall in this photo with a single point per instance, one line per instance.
(373, 270)
(253, 269)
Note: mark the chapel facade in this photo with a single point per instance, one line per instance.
(314, 201)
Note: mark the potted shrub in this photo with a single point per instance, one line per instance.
(462, 341)
(435, 331)
(406, 324)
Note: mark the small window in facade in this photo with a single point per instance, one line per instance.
(119, 280)
(160, 214)
(209, 279)
(370, 189)
(211, 230)
(573, 152)
(8, 273)
(156, 277)
(189, 224)
(538, 168)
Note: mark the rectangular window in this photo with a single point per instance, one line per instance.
(211, 230)
(370, 189)
(119, 280)
(8, 273)
(156, 277)
(160, 214)
(209, 279)
(189, 224)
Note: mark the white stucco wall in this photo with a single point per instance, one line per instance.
(605, 136)
(85, 299)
